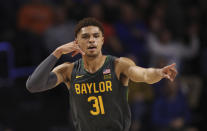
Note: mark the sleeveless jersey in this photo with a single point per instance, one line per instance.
(98, 100)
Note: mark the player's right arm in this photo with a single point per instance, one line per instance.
(128, 70)
(44, 78)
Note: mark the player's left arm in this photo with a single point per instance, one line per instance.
(147, 75)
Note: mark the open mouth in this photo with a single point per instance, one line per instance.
(92, 48)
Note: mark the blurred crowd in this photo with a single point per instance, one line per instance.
(153, 33)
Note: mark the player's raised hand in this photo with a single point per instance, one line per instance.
(169, 72)
(78, 50)
(68, 48)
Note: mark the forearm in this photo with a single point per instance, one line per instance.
(42, 78)
(153, 75)
(147, 75)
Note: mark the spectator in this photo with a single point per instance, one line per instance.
(61, 32)
(164, 47)
(35, 17)
(132, 32)
(170, 111)
(140, 98)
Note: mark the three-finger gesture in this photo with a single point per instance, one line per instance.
(71, 47)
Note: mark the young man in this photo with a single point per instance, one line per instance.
(97, 83)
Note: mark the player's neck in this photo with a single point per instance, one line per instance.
(93, 64)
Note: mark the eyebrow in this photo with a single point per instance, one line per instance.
(97, 33)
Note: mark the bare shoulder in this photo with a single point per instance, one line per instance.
(122, 64)
(124, 61)
(64, 69)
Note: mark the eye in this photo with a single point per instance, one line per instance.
(85, 36)
(96, 35)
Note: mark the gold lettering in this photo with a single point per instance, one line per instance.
(108, 86)
(95, 105)
(83, 88)
(102, 86)
(94, 88)
(89, 87)
(77, 88)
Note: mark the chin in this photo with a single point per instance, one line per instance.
(92, 54)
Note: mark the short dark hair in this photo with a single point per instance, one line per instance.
(90, 21)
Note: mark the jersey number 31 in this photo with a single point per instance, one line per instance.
(98, 105)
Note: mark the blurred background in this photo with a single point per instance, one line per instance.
(153, 33)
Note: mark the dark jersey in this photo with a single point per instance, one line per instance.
(98, 100)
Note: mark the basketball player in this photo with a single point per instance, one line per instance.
(97, 83)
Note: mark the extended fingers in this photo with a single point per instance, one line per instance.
(171, 74)
(74, 53)
(166, 76)
(170, 66)
(77, 50)
(71, 47)
(78, 47)
(174, 73)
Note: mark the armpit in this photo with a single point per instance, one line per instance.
(124, 80)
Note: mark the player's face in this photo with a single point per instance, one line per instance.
(90, 40)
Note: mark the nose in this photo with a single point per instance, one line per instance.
(91, 39)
